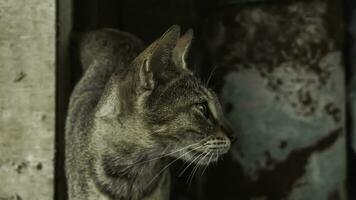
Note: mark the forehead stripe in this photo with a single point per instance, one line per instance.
(211, 103)
(172, 83)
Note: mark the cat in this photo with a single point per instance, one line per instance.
(134, 112)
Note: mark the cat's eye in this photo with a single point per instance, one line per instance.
(203, 108)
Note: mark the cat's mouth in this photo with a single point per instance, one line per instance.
(204, 156)
(206, 151)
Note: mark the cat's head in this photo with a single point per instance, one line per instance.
(167, 107)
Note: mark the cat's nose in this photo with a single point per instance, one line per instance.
(230, 134)
(232, 137)
(229, 131)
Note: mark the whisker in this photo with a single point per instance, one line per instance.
(210, 76)
(217, 158)
(186, 162)
(191, 162)
(195, 169)
(191, 173)
(169, 164)
(168, 154)
(211, 156)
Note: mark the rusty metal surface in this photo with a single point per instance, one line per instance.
(281, 79)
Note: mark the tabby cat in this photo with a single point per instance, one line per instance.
(133, 113)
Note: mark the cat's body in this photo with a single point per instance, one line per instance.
(126, 112)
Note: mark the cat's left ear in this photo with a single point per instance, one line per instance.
(181, 50)
(157, 56)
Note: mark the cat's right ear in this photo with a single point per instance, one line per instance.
(180, 52)
(157, 56)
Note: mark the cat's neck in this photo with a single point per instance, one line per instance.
(131, 177)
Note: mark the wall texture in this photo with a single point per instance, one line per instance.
(352, 85)
(281, 79)
(27, 80)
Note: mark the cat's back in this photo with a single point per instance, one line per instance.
(100, 53)
(108, 47)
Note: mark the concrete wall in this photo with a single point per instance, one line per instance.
(281, 80)
(27, 81)
(352, 86)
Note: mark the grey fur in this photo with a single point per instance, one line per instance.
(132, 107)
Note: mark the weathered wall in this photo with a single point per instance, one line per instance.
(351, 75)
(27, 79)
(352, 85)
(280, 77)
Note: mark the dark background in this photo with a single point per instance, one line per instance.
(148, 20)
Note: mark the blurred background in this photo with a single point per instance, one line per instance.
(284, 71)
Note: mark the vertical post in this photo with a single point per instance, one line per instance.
(64, 84)
(281, 80)
(27, 100)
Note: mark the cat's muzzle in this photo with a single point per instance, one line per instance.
(210, 150)
(219, 145)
